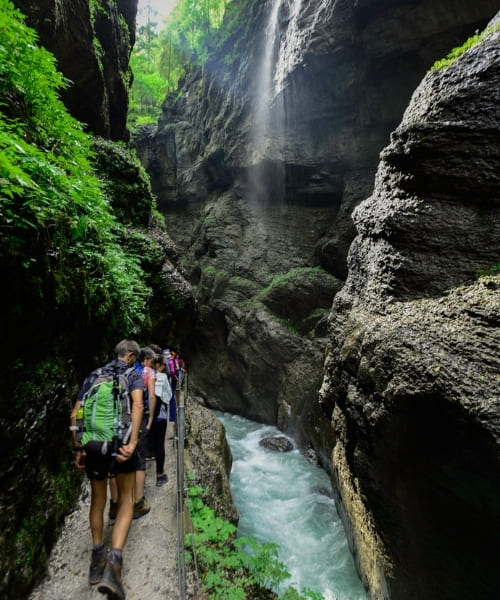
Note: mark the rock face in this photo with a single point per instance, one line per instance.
(411, 376)
(258, 169)
(208, 459)
(92, 42)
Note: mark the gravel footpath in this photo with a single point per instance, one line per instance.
(149, 558)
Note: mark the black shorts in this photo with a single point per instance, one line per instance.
(100, 466)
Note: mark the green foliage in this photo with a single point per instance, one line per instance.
(160, 60)
(125, 182)
(155, 74)
(191, 26)
(232, 37)
(452, 56)
(493, 270)
(57, 223)
(234, 568)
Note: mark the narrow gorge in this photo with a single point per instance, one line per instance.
(259, 166)
(330, 265)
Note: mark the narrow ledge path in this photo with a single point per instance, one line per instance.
(150, 570)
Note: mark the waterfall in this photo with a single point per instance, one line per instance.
(267, 116)
(264, 79)
(280, 51)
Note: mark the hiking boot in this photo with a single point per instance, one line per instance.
(161, 480)
(97, 564)
(113, 510)
(141, 508)
(111, 582)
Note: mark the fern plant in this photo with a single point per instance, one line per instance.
(234, 568)
(57, 224)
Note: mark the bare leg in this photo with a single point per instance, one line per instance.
(140, 481)
(126, 497)
(113, 489)
(96, 513)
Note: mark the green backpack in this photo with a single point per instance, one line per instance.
(106, 415)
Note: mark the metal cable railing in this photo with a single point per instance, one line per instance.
(181, 396)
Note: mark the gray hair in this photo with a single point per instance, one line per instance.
(126, 346)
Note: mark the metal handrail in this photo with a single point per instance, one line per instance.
(181, 397)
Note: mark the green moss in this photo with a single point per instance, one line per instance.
(287, 323)
(64, 486)
(493, 270)
(284, 279)
(33, 379)
(245, 287)
(34, 529)
(209, 271)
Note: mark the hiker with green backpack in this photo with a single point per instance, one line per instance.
(105, 425)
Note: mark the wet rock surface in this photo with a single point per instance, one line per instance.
(411, 375)
(277, 443)
(92, 43)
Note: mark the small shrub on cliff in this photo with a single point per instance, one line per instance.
(452, 56)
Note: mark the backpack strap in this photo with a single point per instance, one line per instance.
(94, 375)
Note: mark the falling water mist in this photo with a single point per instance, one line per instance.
(266, 173)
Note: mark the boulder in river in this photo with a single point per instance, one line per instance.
(278, 443)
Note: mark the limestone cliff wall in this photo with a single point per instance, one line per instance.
(412, 371)
(92, 42)
(265, 225)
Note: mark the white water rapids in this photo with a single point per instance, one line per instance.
(280, 498)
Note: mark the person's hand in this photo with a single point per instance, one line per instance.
(125, 452)
(80, 460)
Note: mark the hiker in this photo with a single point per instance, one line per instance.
(151, 450)
(144, 366)
(105, 569)
(169, 358)
(155, 348)
(158, 432)
(178, 364)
